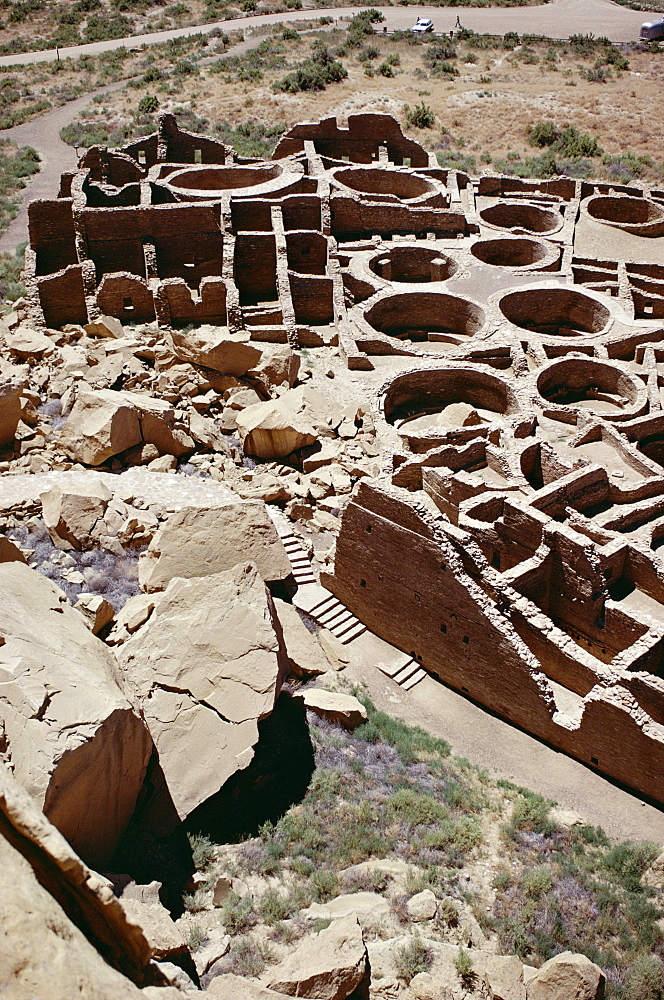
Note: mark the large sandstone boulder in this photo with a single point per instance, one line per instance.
(71, 737)
(214, 347)
(329, 966)
(299, 417)
(72, 513)
(503, 978)
(11, 388)
(103, 423)
(198, 541)
(43, 953)
(278, 365)
(305, 654)
(205, 668)
(567, 977)
(25, 342)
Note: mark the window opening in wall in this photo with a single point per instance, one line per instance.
(443, 628)
(406, 161)
(127, 304)
(363, 583)
(198, 156)
(594, 760)
(369, 528)
(465, 639)
(141, 157)
(648, 308)
(464, 689)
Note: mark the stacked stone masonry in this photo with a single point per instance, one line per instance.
(512, 544)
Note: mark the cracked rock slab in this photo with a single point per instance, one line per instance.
(72, 738)
(205, 668)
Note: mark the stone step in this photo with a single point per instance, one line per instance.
(418, 676)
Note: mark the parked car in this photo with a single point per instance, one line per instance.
(651, 31)
(422, 25)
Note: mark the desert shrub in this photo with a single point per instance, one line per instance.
(463, 965)
(410, 742)
(530, 813)
(148, 104)
(411, 958)
(275, 906)
(314, 73)
(542, 134)
(197, 937)
(421, 116)
(325, 885)
(628, 861)
(290, 34)
(385, 69)
(196, 901)
(237, 913)
(416, 807)
(447, 912)
(244, 958)
(645, 979)
(202, 851)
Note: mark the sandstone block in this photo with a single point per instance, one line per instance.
(299, 417)
(73, 739)
(422, 906)
(277, 366)
(344, 709)
(503, 977)
(103, 423)
(105, 326)
(305, 654)
(363, 905)
(216, 348)
(72, 513)
(10, 552)
(10, 406)
(230, 987)
(97, 611)
(43, 953)
(28, 343)
(198, 541)
(567, 977)
(328, 966)
(204, 669)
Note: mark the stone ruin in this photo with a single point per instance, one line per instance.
(510, 336)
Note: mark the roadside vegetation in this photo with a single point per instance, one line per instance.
(390, 790)
(27, 25)
(481, 102)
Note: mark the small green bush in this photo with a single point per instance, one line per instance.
(463, 965)
(148, 104)
(421, 116)
(237, 913)
(416, 807)
(645, 979)
(202, 851)
(411, 958)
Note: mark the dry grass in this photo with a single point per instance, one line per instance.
(484, 112)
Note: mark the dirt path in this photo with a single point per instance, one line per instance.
(558, 19)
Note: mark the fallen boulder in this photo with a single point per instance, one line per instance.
(344, 709)
(11, 388)
(567, 977)
(103, 423)
(305, 654)
(72, 513)
(72, 738)
(204, 669)
(215, 347)
(199, 541)
(299, 417)
(278, 366)
(503, 978)
(52, 937)
(328, 966)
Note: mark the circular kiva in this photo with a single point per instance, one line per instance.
(379, 184)
(522, 217)
(516, 252)
(415, 264)
(555, 312)
(579, 382)
(425, 316)
(635, 215)
(211, 182)
(430, 403)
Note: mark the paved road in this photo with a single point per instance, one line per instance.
(558, 19)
